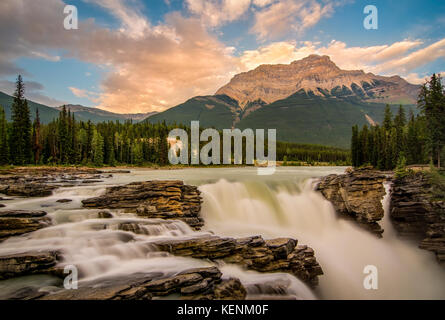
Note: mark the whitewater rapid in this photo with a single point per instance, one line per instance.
(236, 203)
(342, 248)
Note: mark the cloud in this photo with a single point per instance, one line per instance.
(33, 92)
(163, 66)
(280, 17)
(217, 12)
(128, 12)
(82, 93)
(153, 67)
(262, 3)
(401, 57)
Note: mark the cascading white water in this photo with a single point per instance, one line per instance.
(280, 205)
(100, 250)
(342, 249)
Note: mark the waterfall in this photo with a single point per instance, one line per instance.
(236, 203)
(342, 248)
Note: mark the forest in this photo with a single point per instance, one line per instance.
(67, 141)
(405, 139)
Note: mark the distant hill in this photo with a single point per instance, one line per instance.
(47, 114)
(308, 101)
(98, 115)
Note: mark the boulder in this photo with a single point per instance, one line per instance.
(154, 199)
(275, 255)
(18, 222)
(357, 196)
(197, 283)
(16, 265)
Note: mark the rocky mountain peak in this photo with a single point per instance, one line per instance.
(317, 75)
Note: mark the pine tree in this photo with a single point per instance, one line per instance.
(431, 101)
(20, 138)
(387, 121)
(36, 145)
(399, 124)
(97, 144)
(4, 148)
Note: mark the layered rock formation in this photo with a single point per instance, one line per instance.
(316, 74)
(154, 199)
(198, 283)
(415, 213)
(275, 255)
(40, 182)
(18, 222)
(23, 264)
(357, 195)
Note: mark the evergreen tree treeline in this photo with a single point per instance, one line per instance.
(417, 140)
(67, 141)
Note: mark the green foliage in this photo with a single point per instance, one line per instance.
(437, 180)
(418, 141)
(401, 170)
(310, 153)
(4, 147)
(97, 145)
(20, 137)
(431, 101)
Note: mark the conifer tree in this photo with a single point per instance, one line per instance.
(4, 147)
(36, 145)
(20, 138)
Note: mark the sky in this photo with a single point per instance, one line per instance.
(130, 56)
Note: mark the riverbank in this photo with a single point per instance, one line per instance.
(11, 168)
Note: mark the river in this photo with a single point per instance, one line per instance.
(236, 202)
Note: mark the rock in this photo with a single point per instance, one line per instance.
(22, 264)
(115, 171)
(154, 199)
(40, 182)
(198, 283)
(357, 195)
(28, 189)
(276, 255)
(415, 213)
(91, 181)
(64, 200)
(104, 214)
(18, 222)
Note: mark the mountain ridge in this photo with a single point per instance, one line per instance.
(319, 74)
(310, 100)
(47, 113)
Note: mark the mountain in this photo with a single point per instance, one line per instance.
(47, 114)
(308, 101)
(319, 75)
(97, 115)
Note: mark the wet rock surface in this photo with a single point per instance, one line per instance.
(18, 222)
(154, 199)
(198, 283)
(255, 253)
(357, 195)
(40, 182)
(16, 265)
(416, 214)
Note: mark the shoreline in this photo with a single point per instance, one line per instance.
(152, 167)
